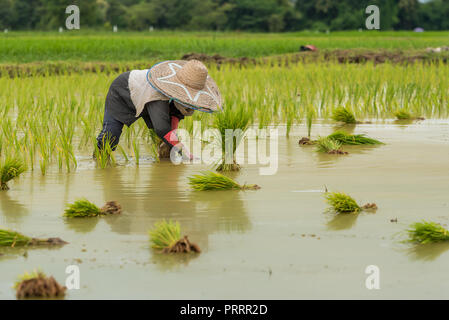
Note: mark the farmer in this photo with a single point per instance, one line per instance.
(162, 95)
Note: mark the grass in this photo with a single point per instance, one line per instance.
(10, 238)
(10, 169)
(342, 203)
(427, 232)
(216, 181)
(82, 208)
(95, 45)
(350, 139)
(403, 115)
(327, 145)
(342, 114)
(165, 234)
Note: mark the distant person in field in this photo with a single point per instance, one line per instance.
(162, 95)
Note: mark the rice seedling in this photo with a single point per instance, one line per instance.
(10, 238)
(166, 236)
(83, 208)
(427, 232)
(37, 285)
(310, 116)
(342, 114)
(329, 146)
(342, 203)
(10, 169)
(216, 181)
(403, 115)
(232, 125)
(350, 139)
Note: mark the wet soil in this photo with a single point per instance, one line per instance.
(111, 207)
(357, 56)
(49, 241)
(40, 287)
(370, 207)
(183, 246)
(337, 152)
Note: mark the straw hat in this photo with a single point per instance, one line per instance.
(186, 82)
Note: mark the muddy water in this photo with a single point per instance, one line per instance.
(276, 242)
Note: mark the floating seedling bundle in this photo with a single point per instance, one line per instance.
(37, 285)
(166, 236)
(10, 238)
(9, 170)
(329, 146)
(215, 181)
(342, 203)
(427, 232)
(352, 139)
(84, 208)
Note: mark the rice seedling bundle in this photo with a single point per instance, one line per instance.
(84, 208)
(350, 139)
(9, 238)
(10, 169)
(37, 285)
(342, 114)
(328, 145)
(427, 232)
(216, 181)
(166, 236)
(343, 204)
(402, 115)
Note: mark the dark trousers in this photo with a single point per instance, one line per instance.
(156, 115)
(111, 132)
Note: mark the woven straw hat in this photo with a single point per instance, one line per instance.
(186, 82)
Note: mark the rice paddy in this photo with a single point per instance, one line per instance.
(51, 114)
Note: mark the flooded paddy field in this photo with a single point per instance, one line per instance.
(274, 243)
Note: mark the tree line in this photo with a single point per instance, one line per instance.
(222, 15)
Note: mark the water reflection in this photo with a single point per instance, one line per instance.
(428, 252)
(81, 225)
(342, 222)
(161, 191)
(12, 210)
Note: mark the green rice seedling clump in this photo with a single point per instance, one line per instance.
(350, 139)
(10, 238)
(342, 203)
(216, 181)
(403, 115)
(342, 114)
(427, 232)
(327, 145)
(165, 234)
(85, 208)
(10, 169)
(82, 208)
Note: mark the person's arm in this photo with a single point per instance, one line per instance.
(164, 124)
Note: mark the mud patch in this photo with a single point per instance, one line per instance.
(111, 207)
(40, 287)
(183, 246)
(217, 59)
